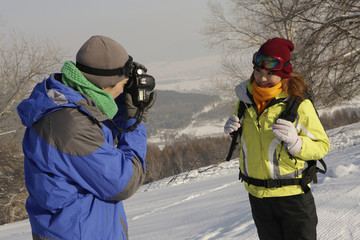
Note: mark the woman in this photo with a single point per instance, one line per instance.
(276, 149)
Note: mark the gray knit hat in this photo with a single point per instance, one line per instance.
(98, 59)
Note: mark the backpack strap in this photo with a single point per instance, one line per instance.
(290, 112)
(319, 170)
(275, 183)
(323, 171)
(237, 133)
(310, 174)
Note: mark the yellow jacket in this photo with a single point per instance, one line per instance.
(262, 156)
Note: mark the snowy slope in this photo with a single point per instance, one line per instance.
(213, 204)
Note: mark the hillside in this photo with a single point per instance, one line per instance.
(177, 110)
(212, 204)
(191, 112)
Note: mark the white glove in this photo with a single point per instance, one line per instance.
(286, 132)
(232, 124)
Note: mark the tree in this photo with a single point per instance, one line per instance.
(326, 34)
(23, 62)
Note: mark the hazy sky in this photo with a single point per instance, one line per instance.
(150, 30)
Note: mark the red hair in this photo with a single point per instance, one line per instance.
(295, 86)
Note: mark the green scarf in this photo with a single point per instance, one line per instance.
(72, 77)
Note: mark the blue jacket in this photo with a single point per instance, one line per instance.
(78, 166)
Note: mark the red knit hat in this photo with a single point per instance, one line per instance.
(279, 47)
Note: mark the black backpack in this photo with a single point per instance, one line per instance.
(309, 174)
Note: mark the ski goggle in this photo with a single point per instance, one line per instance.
(269, 63)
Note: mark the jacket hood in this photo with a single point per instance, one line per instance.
(241, 92)
(48, 96)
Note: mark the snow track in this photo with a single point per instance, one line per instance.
(188, 198)
(338, 196)
(213, 204)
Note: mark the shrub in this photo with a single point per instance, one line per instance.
(13, 193)
(185, 155)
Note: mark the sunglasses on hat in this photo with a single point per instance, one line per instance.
(269, 63)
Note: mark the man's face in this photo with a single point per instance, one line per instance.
(117, 89)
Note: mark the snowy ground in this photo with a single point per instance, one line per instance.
(213, 204)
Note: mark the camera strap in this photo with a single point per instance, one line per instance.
(130, 129)
(139, 118)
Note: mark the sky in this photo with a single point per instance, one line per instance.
(150, 30)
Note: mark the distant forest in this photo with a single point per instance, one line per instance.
(173, 110)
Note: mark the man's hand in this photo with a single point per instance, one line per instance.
(134, 112)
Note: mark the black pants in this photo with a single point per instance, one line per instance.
(285, 218)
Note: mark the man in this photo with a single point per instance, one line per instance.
(81, 160)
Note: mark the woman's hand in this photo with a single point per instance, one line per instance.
(286, 132)
(232, 124)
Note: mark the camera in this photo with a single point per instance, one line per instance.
(139, 84)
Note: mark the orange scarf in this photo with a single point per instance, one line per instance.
(263, 96)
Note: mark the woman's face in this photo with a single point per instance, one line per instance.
(264, 78)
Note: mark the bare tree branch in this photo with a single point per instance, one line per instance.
(23, 62)
(325, 33)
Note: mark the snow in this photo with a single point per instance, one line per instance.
(202, 128)
(196, 128)
(210, 203)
